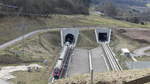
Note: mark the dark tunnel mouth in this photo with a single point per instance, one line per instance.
(69, 38)
(102, 37)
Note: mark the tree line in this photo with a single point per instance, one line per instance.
(123, 13)
(46, 6)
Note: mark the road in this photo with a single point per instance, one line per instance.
(79, 62)
(98, 60)
(7, 44)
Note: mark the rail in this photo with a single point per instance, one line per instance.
(111, 59)
(66, 61)
(114, 56)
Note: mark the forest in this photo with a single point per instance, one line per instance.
(27, 7)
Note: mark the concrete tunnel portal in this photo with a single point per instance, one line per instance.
(69, 35)
(102, 37)
(70, 38)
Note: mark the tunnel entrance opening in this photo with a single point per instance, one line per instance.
(69, 38)
(102, 37)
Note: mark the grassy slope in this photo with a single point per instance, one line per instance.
(31, 77)
(147, 51)
(87, 39)
(48, 44)
(43, 46)
(36, 49)
(106, 77)
(120, 41)
(148, 5)
(109, 22)
(12, 27)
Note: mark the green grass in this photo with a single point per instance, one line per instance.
(120, 41)
(34, 49)
(87, 39)
(24, 77)
(109, 22)
(147, 51)
(143, 58)
(148, 5)
(46, 46)
(38, 47)
(12, 27)
(51, 43)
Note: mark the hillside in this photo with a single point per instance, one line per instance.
(125, 2)
(30, 7)
(12, 27)
(108, 77)
(35, 49)
(46, 45)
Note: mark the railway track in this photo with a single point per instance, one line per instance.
(62, 63)
(111, 58)
(108, 59)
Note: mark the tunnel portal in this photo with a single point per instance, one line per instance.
(102, 37)
(69, 38)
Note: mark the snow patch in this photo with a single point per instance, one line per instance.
(6, 72)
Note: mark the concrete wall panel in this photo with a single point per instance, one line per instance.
(66, 31)
(103, 30)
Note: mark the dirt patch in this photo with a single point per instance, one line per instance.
(6, 72)
(139, 35)
(129, 38)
